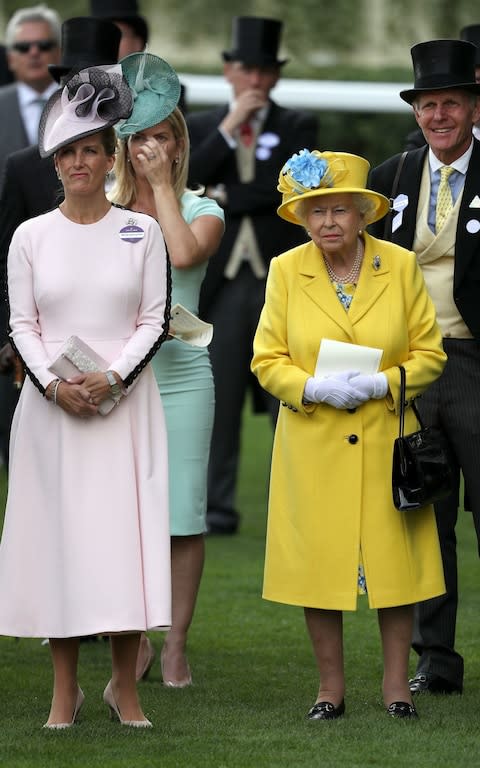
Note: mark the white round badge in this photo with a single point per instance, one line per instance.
(473, 226)
(263, 153)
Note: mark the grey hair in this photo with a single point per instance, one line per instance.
(363, 203)
(34, 13)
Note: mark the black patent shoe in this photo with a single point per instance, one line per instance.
(324, 710)
(423, 682)
(402, 709)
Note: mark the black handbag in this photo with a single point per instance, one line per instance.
(422, 462)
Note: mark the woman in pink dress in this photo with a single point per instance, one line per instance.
(85, 547)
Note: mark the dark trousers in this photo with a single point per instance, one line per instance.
(452, 403)
(234, 314)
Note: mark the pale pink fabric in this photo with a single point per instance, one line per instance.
(86, 546)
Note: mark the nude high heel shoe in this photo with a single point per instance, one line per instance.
(109, 700)
(78, 706)
(174, 683)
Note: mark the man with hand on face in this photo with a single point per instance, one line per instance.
(237, 151)
(435, 211)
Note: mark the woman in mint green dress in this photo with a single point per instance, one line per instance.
(151, 176)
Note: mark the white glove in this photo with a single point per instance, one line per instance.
(370, 386)
(334, 390)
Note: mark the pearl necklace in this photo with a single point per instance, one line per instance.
(352, 275)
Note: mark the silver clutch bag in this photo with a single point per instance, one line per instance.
(77, 357)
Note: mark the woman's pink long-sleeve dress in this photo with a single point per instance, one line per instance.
(86, 546)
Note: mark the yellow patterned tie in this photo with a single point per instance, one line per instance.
(444, 197)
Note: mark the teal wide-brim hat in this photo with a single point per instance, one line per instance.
(156, 91)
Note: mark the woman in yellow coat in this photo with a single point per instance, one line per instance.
(333, 531)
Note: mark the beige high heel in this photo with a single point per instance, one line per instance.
(145, 658)
(109, 700)
(78, 706)
(175, 683)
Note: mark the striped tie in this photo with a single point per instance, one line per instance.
(444, 197)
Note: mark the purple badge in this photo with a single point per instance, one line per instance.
(132, 233)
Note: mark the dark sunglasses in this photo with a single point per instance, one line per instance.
(42, 45)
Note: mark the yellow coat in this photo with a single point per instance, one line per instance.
(331, 497)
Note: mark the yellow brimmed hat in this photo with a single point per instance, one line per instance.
(311, 174)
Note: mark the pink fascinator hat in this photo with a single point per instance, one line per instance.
(92, 100)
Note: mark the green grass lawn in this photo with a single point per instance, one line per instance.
(254, 678)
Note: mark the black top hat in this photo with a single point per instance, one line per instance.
(255, 41)
(5, 74)
(472, 35)
(121, 10)
(440, 64)
(86, 42)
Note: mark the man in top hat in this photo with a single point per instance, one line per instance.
(436, 213)
(134, 29)
(30, 185)
(124, 13)
(472, 35)
(237, 152)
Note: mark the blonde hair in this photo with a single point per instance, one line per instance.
(123, 191)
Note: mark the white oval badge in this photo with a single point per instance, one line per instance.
(268, 139)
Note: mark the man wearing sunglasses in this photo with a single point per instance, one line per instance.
(33, 42)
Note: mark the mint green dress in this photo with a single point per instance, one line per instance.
(184, 378)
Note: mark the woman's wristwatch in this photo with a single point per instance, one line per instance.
(115, 389)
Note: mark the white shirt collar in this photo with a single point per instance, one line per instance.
(460, 164)
(28, 95)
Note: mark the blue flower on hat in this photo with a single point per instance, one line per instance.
(307, 169)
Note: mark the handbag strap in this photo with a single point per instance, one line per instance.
(403, 386)
(402, 399)
(394, 190)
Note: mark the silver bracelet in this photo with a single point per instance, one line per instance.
(56, 384)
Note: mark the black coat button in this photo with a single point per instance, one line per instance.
(351, 410)
(352, 439)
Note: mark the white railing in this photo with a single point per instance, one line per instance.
(321, 95)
